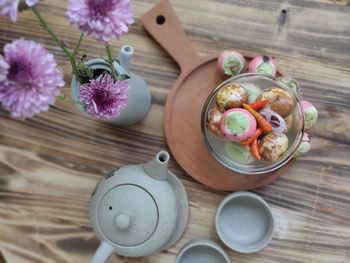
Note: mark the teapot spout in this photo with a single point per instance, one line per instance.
(158, 167)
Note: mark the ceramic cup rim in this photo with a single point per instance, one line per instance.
(202, 242)
(260, 200)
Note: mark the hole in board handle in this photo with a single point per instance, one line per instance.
(160, 19)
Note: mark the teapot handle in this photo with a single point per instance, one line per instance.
(103, 252)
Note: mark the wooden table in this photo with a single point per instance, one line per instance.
(49, 165)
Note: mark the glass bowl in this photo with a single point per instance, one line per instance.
(220, 147)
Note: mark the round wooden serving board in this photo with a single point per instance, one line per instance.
(184, 105)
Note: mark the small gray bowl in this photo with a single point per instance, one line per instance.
(202, 251)
(244, 222)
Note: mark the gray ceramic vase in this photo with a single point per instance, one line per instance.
(139, 95)
(138, 210)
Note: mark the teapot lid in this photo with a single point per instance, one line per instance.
(128, 215)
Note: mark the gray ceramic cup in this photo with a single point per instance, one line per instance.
(244, 222)
(202, 251)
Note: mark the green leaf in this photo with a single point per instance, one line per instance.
(83, 57)
(62, 97)
(122, 77)
(84, 74)
(65, 98)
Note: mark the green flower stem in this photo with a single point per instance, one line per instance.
(66, 99)
(110, 60)
(43, 23)
(77, 47)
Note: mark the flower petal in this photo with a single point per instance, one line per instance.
(32, 80)
(31, 3)
(101, 19)
(103, 98)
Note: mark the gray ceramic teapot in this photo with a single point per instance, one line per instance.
(138, 210)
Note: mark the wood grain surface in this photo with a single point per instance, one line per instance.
(49, 165)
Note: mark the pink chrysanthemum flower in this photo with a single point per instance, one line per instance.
(9, 8)
(29, 78)
(103, 98)
(101, 19)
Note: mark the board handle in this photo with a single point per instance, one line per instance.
(162, 23)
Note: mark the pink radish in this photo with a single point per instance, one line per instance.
(304, 146)
(237, 124)
(231, 63)
(263, 64)
(310, 114)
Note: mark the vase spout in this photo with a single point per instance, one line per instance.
(126, 53)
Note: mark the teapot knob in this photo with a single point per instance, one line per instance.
(122, 221)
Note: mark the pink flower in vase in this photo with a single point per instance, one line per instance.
(103, 98)
(101, 19)
(9, 8)
(29, 79)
